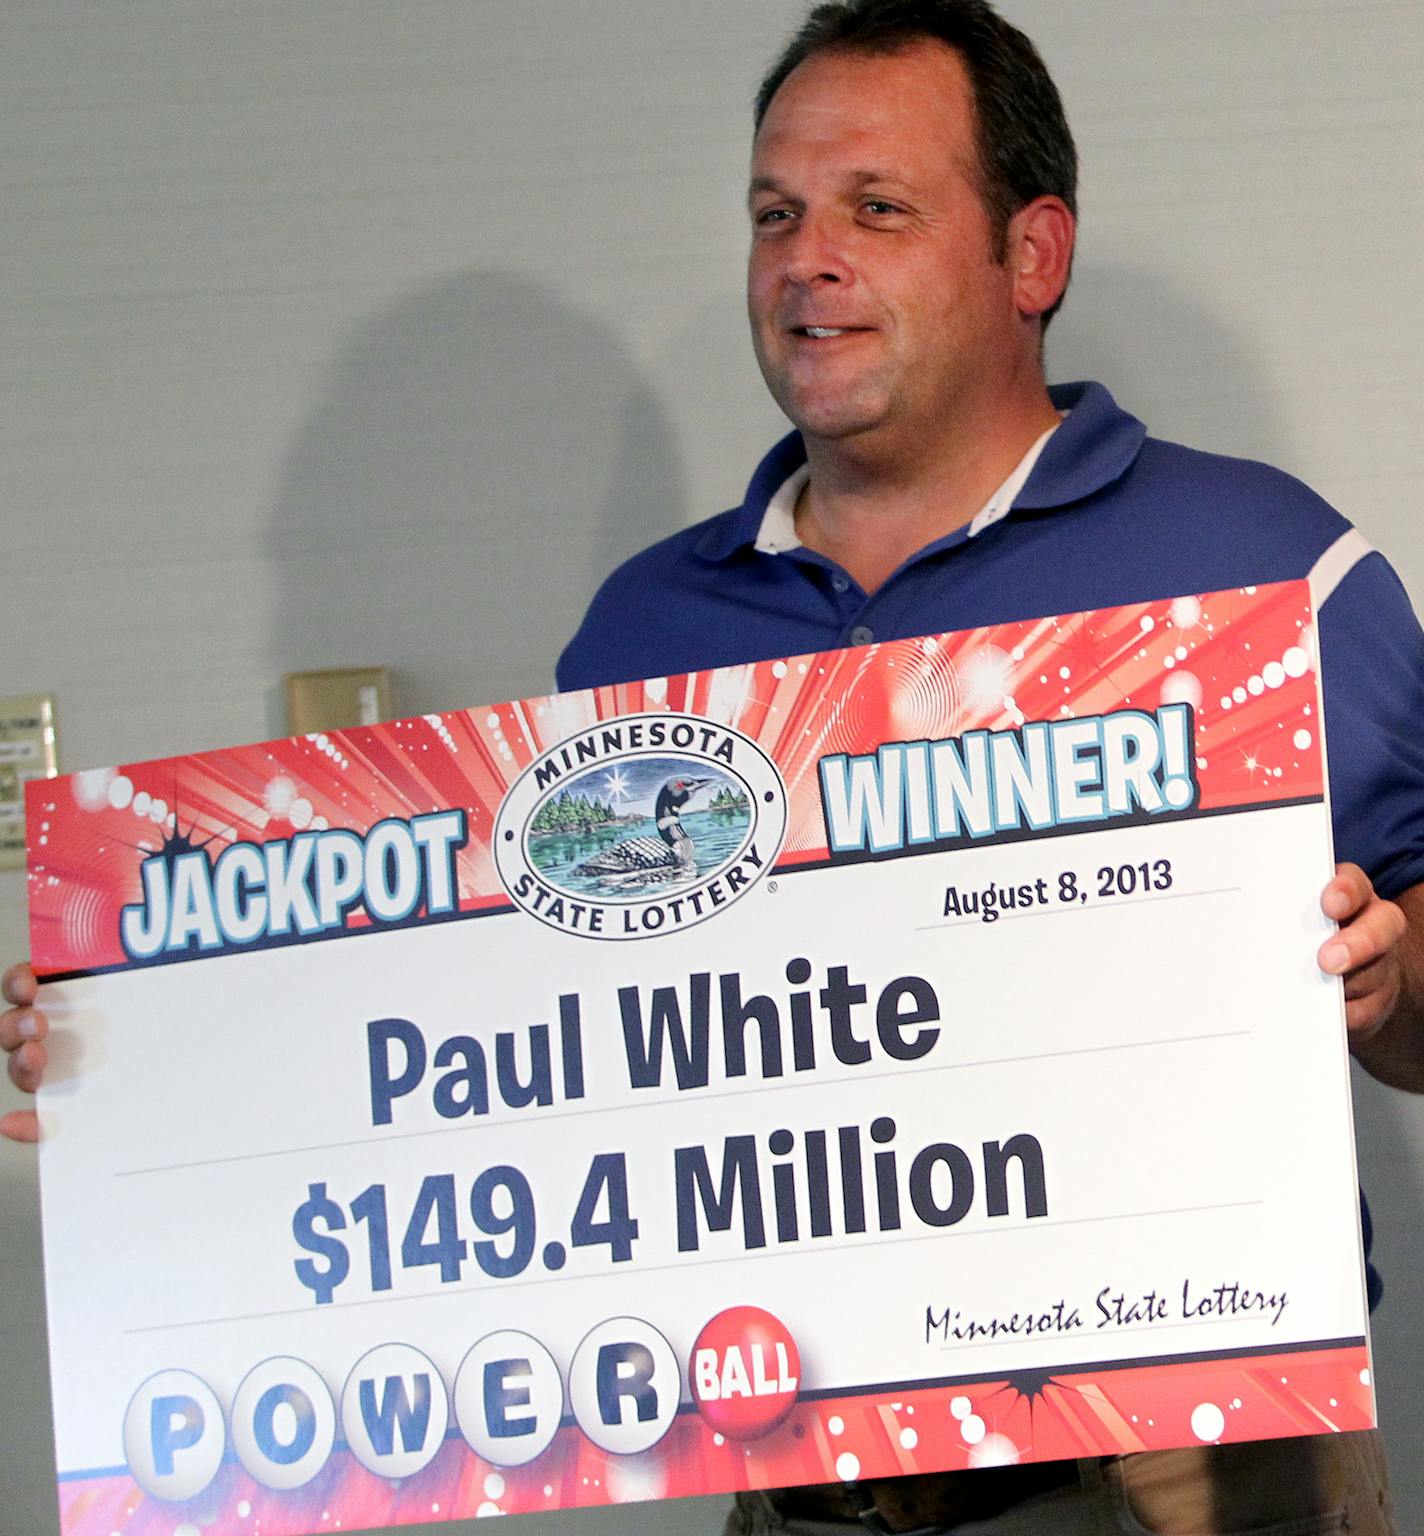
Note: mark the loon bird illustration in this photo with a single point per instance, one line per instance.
(670, 855)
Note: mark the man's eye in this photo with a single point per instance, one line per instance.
(878, 205)
(771, 215)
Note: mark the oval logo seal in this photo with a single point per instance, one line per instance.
(641, 826)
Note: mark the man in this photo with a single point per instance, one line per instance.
(912, 202)
(912, 208)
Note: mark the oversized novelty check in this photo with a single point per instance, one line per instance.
(901, 1058)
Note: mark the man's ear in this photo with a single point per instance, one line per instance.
(1040, 253)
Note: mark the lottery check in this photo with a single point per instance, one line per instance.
(850, 1065)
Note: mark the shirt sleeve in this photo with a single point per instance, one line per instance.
(1372, 666)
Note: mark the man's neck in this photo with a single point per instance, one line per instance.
(870, 508)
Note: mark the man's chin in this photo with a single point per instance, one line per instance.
(832, 418)
(832, 426)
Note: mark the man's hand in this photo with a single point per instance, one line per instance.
(22, 1031)
(1379, 951)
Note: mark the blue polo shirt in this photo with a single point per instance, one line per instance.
(1107, 516)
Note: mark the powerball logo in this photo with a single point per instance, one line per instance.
(642, 826)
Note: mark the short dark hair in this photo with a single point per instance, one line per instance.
(1021, 132)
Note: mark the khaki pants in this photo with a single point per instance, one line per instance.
(1314, 1486)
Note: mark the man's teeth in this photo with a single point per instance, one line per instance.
(823, 330)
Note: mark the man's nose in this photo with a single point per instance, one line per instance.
(816, 252)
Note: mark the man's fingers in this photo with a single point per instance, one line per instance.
(1378, 975)
(1373, 932)
(22, 1028)
(26, 1066)
(1346, 893)
(20, 1125)
(21, 1024)
(18, 984)
(1365, 1014)
(1365, 950)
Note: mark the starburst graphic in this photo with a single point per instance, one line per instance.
(1088, 653)
(1187, 614)
(1029, 1384)
(989, 677)
(617, 785)
(1028, 1387)
(1252, 765)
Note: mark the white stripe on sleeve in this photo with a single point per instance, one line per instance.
(1336, 564)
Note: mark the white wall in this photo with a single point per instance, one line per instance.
(342, 332)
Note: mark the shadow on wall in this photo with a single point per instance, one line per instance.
(480, 458)
(1170, 361)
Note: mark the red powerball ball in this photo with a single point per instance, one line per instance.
(744, 1372)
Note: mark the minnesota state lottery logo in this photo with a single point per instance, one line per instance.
(641, 826)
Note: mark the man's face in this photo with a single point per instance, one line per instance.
(876, 303)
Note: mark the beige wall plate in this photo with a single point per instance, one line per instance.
(29, 749)
(336, 698)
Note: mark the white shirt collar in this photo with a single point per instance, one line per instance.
(777, 532)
